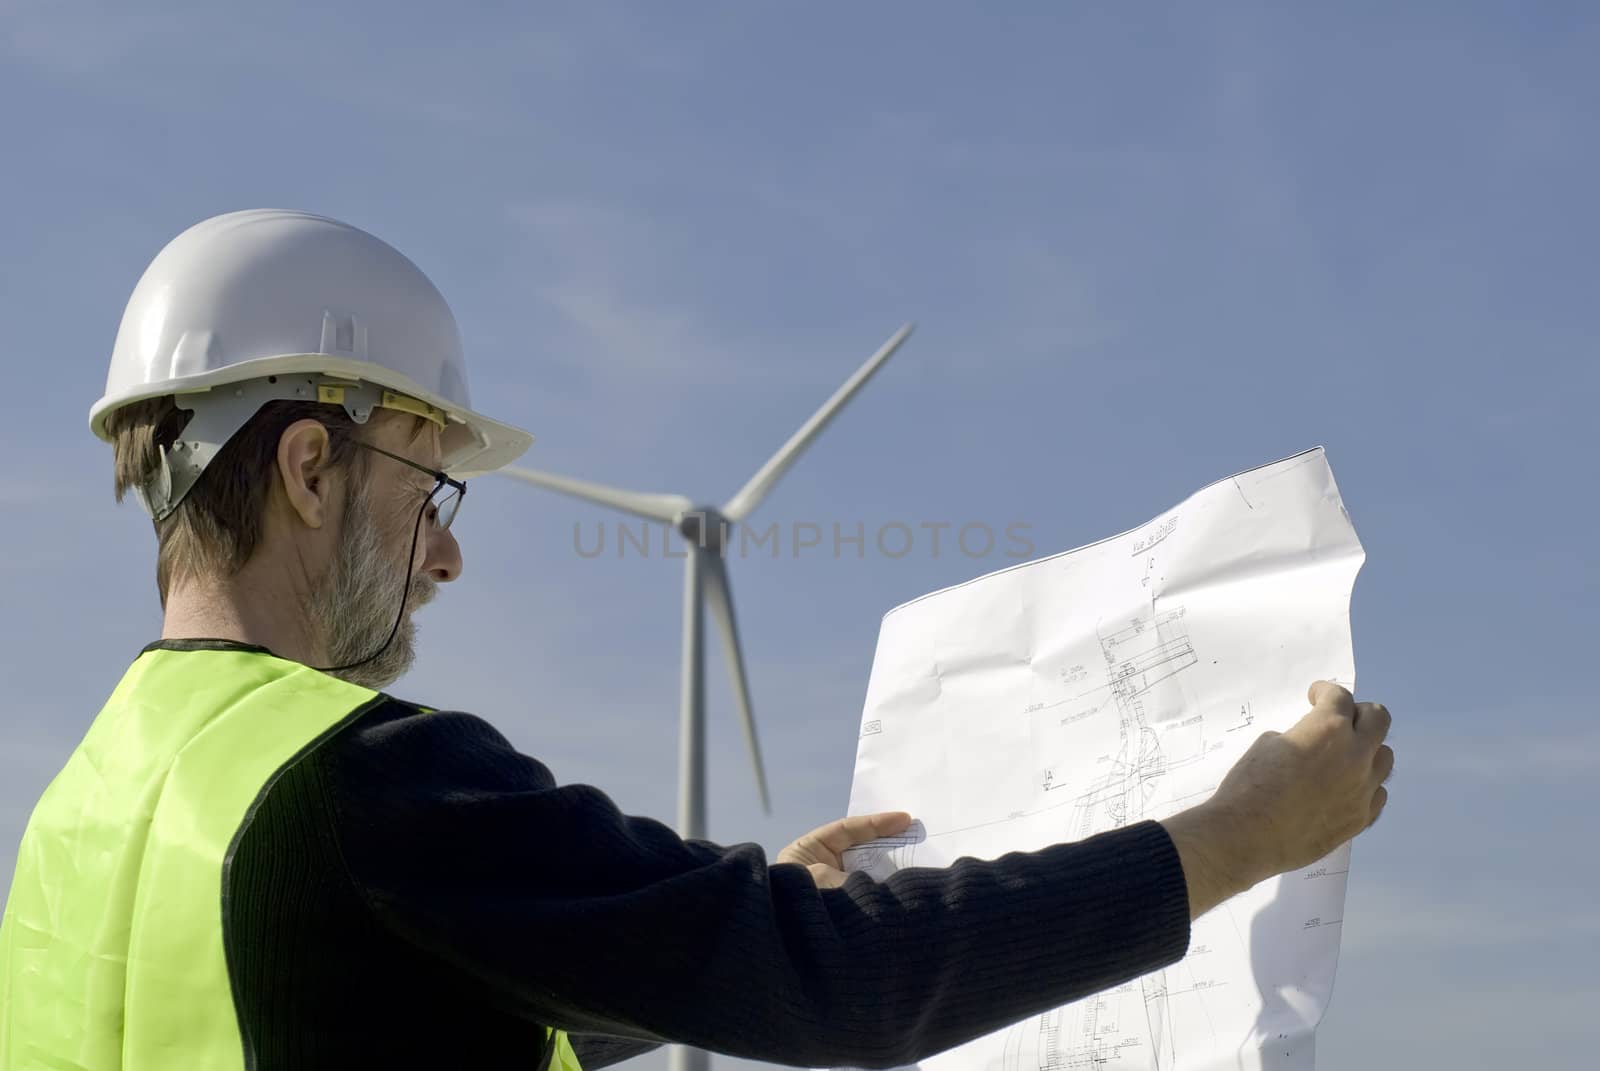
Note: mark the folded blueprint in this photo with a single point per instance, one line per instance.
(1111, 684)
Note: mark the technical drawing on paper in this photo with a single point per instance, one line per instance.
(1087, 1034)
(1138, 658)
(1107, 686)
(1141, 659)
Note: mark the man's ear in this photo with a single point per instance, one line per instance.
(304, 467)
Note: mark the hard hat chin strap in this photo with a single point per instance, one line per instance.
(219, 413)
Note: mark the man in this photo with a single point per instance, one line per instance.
(257, 858)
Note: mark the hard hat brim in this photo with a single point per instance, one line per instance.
(472, 443)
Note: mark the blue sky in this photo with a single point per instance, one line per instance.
(1145, 249)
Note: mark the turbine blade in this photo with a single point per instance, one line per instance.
(652, 507)
(719, 599)
(750, 495)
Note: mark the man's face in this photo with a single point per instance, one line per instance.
(355, 608)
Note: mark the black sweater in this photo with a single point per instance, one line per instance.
(418, 893)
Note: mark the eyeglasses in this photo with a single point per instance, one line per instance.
(444, 501)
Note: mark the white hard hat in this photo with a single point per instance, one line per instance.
(245, 308)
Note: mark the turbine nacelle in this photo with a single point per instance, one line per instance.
(704, 527)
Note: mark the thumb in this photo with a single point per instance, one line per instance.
(888, 823)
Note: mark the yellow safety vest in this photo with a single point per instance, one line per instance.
(111, 949)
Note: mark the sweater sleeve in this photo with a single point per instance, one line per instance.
(583, 918)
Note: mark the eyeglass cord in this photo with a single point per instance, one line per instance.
(405, 594)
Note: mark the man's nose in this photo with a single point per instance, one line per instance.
(442, 559)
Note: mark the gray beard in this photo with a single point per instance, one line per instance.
(355, 608)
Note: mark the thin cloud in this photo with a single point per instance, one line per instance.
(450, 79)
(79, 38)
(622, 285)
(1513, 756)
(1388, 919)
(589, 259)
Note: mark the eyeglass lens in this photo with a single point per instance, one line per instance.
(446, 501)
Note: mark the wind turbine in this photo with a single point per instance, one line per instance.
(705, 581)
(705, 530)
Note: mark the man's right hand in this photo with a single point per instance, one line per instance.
(1291, 799)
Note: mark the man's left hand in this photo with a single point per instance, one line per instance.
(822, 850)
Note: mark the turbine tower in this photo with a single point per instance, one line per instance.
(705, 582)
